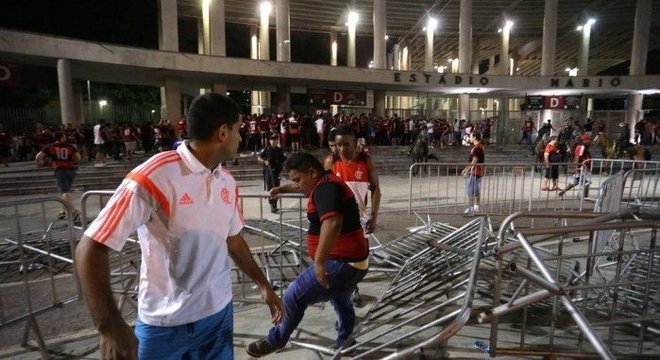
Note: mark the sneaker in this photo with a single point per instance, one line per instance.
(274, 210)
(475, 208)
(260, 348)
(61, 215)
(468, 211)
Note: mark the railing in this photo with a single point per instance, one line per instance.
(609, 291)
(36, 271)
(511, 187)
(276, 241)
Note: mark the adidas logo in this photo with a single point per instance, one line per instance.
(185, 200)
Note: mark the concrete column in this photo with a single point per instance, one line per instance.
(283, 98)
(583, 56)
(428, 50)
(465, 38)
(397, 56)
(65, 91)
(405, 65)
(168, 32)
(640, 46)
(173, 100)
(255, 97)
(217, 37)
(380, 24)
(205, 33)
(475, 56)
(350, 53)
(549, 38)
(503, 119)
(634, 112)
(283, 30)
(504, 54)
(264, 39)
(491, 65)
(78, 113)
(333, 49)
(379, 102)
(404, 103)
(390, 61)
(638, 59)
(464, 106)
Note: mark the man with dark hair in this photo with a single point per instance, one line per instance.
(358, 171)
(474, 173)
(185, 208)
(582, 160)
(551, 155)
(64, 157)
(336, 244)
(272, 157)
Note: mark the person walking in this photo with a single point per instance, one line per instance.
(272, 157)
(185, 208)
(337, 246)
(64, 158)
(551, 155)
(474, 173)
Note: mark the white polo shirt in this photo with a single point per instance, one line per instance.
(183, 214)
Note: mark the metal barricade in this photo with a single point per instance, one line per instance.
(36, 267)
(125, 264)
(505, 188)
(641, 188)
(429, 299)
(511, 187)
(610, 294)
(276, 241)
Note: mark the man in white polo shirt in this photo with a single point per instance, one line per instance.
(185, 209)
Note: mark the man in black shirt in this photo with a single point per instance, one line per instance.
(272, 157)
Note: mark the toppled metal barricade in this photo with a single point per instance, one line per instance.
(599, 300)
(428, 300)
(36, 272)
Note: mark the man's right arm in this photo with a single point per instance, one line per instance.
(93, 269)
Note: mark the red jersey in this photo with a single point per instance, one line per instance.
(355, 174)
(583, 156)
(478, 151)
(332, 197)
(61, 154)
(294, 126)
(253, 128)
(554, 153)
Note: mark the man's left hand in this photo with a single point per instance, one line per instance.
(371, 225)
(274, 303)
(321, 275)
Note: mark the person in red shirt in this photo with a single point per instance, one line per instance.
(253, 131)
(474, 173)
(337, 246)
(551, 155)
(582, 159)
(64, 158)
(294, 133)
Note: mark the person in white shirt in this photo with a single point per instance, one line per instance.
(319, 130)
(185, 208)
(99, 142)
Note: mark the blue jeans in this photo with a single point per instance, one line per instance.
(305, 291)
(208, 338)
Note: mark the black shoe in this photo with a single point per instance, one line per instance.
(260, 348)
(274, 210)
(356, 299)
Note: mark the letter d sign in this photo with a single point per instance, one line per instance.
(338, 97)
(5, 73)
(554, 103)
